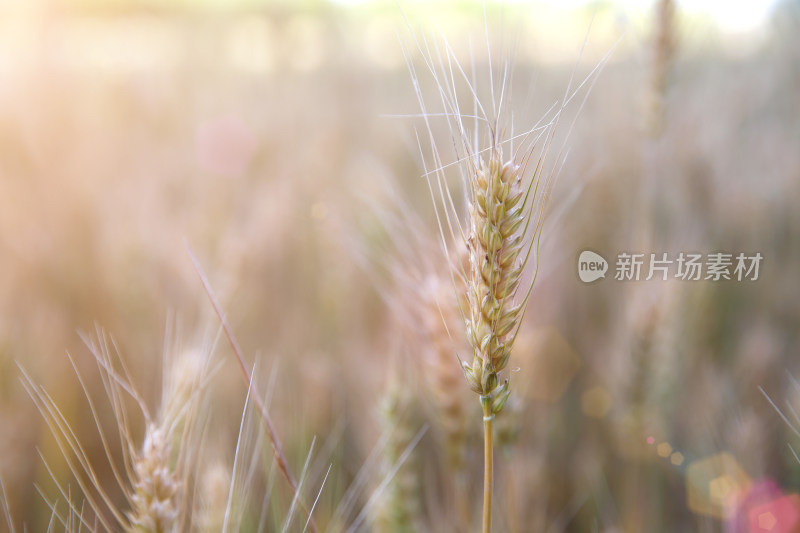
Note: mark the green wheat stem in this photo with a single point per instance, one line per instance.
(488, 463)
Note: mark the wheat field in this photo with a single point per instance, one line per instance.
(251, 278)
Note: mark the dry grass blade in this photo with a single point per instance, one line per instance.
(280, 457)
(74, 455)
(376, 495)
(795, 428)
(4, 506)
(296, 498)
(316, 500)
(232, 482)
(350, 498)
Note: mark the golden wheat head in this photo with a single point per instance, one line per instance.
(495, 242)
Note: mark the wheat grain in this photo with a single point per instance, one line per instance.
(495, 242)
(156, 487)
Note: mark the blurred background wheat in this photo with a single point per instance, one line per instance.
(264, 135)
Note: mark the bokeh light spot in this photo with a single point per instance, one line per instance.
(676, 458)
(722, 489)
(715, 485)
(596, 402)
(778, 516)
(761, 492)
(664, 449)
(767, 521)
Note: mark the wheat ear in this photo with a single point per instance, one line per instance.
(154, 478)
(429, 311)
(505, 216)
(494, 243)
(440, 320)
(158, 489)
(154, 500)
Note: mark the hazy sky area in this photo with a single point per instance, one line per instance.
(731, 15)
(545, 31)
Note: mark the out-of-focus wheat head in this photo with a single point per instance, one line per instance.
(215, 486)
(154, 500)
(154, 476)
(663, 49)
(441, 322)
(428, 312)
(400, 511)
(157, 486)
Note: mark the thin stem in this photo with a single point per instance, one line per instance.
(277, 449)
(488, 481)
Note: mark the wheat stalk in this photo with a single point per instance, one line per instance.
(508, 187)
(494, 243)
